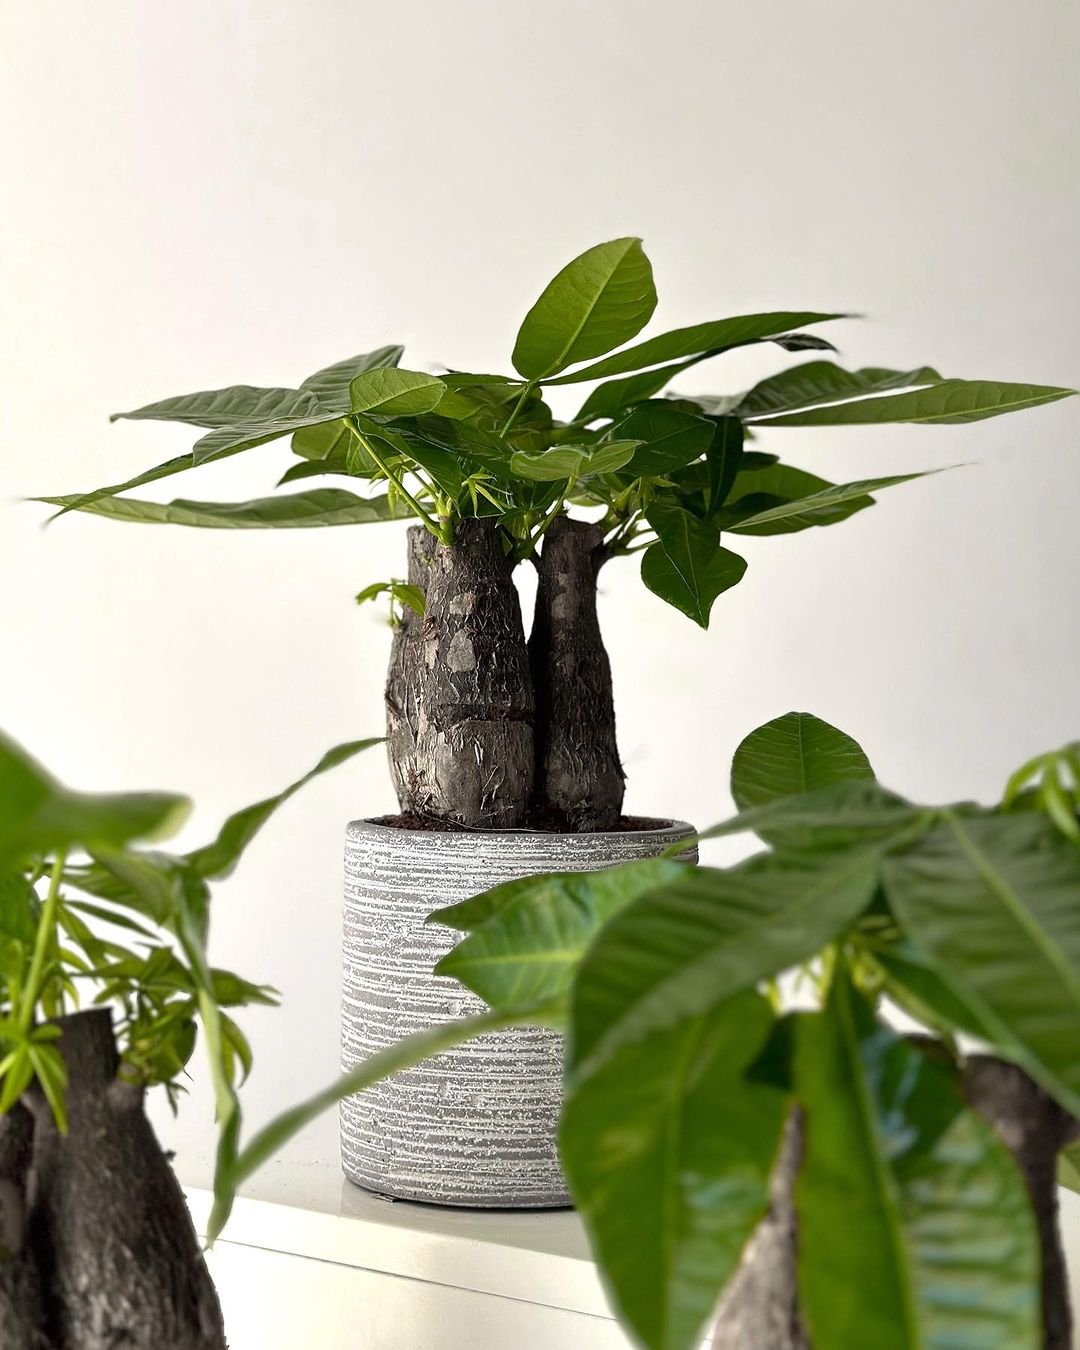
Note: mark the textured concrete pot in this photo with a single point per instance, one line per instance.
(475, 1125)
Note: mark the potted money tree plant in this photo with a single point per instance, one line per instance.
(104, 988)
(502, 747)
(745, 1124)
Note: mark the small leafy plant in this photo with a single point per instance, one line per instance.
(495, 478)
(834, 1181)
(105, 987)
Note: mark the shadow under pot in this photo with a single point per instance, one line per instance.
(475, 1125)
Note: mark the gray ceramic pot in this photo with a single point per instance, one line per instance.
(475, 1125)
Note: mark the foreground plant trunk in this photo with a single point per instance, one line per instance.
(579, 781)
(21, 1312)
(119, 1259)
(760, 1309)
(459, 695)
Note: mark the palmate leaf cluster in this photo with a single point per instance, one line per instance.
(669, 476)
(90, 915)
(683, 1065)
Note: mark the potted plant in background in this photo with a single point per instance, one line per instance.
(503, 750)
(104, 987)
(834, 1182)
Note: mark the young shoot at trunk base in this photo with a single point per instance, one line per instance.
(486, 730)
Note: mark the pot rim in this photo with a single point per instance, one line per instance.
(659, 826)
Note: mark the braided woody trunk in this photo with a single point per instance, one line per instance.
(482, 731)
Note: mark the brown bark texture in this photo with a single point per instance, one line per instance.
(459, 694)
(579, 782)
(118, 1257)
(22, 1316)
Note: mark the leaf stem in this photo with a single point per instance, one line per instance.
(42, 944)
(438, 528)
(529, 547)
(528, 389)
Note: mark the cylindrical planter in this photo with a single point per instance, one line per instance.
(474, 1125)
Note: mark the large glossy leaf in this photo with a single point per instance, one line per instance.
(325, 441)
(695, 340)
(226, 407)
(724, 458)
(217, 859)
(824, 382)
(394, 393)
(994, 903)
(827, 507)
(331, 384)
(39, 816)
(296, 510)
(793, 754)
(526, 937)
(604, 297)
(687, 567)
(950, 401)
(573, 461)
(670, 439)
(915, 1227)
(668, 1151)
(681, 949)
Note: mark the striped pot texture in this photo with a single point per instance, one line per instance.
(475, 1125)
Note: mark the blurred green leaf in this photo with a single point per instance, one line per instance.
(937, 1246)
(992, 902)
(668, 1151)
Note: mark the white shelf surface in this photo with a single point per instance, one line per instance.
(538, 1260)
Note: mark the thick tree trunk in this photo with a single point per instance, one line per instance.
(21, 1313)
(579, 781)
(119, 1259)
(459, 695)
(759, 1309)
(1034, 1128)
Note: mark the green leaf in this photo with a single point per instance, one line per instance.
(671, 439)
(421, 1045)
(681, 949)
(226, 407)
(724, 457)
(231, 440)
(832, 504)
(833, 813)
(951, 401)
(572, 461)
(823, 382)
(329, 441)
(687, 567)
(616, 396)
(992, 901)
(39, 816)
(791, 755)
(912, 982)
(295, 510)
(218, 858)
(331, 384)
(395, 393)
(526, 937)
(937, 1247)
(601, 299)
(668, 1151)
(696, 340)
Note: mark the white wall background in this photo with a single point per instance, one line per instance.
(228, 191)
